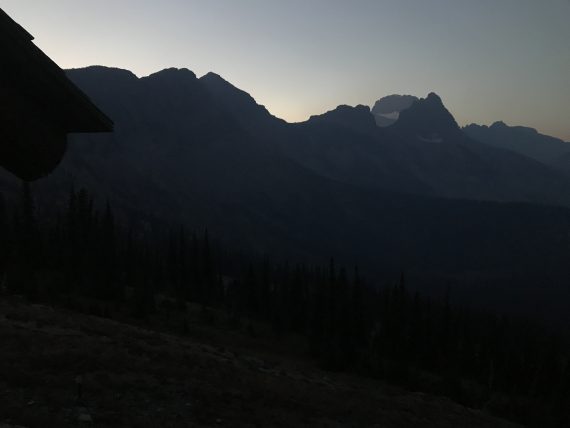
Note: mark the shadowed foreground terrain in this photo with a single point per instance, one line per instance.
(133, 376)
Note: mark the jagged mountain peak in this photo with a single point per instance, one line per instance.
(502, 127)
(342, 110)
(102, 69)
(499, 124)
(524, 140)
(432, 96)
(100, 72)
(214, 77)
(220, 86)
(428, 119)
(357, 118)
(173, 74)
(236, 101)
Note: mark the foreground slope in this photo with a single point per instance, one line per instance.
(138, 377)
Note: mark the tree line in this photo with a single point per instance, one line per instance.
(512, 367)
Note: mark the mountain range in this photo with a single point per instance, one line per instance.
(529, 142)
(398, 187)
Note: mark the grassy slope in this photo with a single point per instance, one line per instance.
(212, 376)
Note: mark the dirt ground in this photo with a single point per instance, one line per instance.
(132, 376)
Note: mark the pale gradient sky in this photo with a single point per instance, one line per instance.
(488, 59)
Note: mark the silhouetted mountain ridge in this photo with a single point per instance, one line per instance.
(238, 103)
(524, 140)
(356, 118)
(183, 153)
(343, 144)
(428, 120)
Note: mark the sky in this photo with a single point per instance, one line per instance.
(489, 60)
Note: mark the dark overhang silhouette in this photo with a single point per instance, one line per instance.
(39, 106)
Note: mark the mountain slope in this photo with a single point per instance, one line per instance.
(424, 152)
(309, 191)
(526, 141)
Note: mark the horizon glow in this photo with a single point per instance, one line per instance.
(500, 60)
